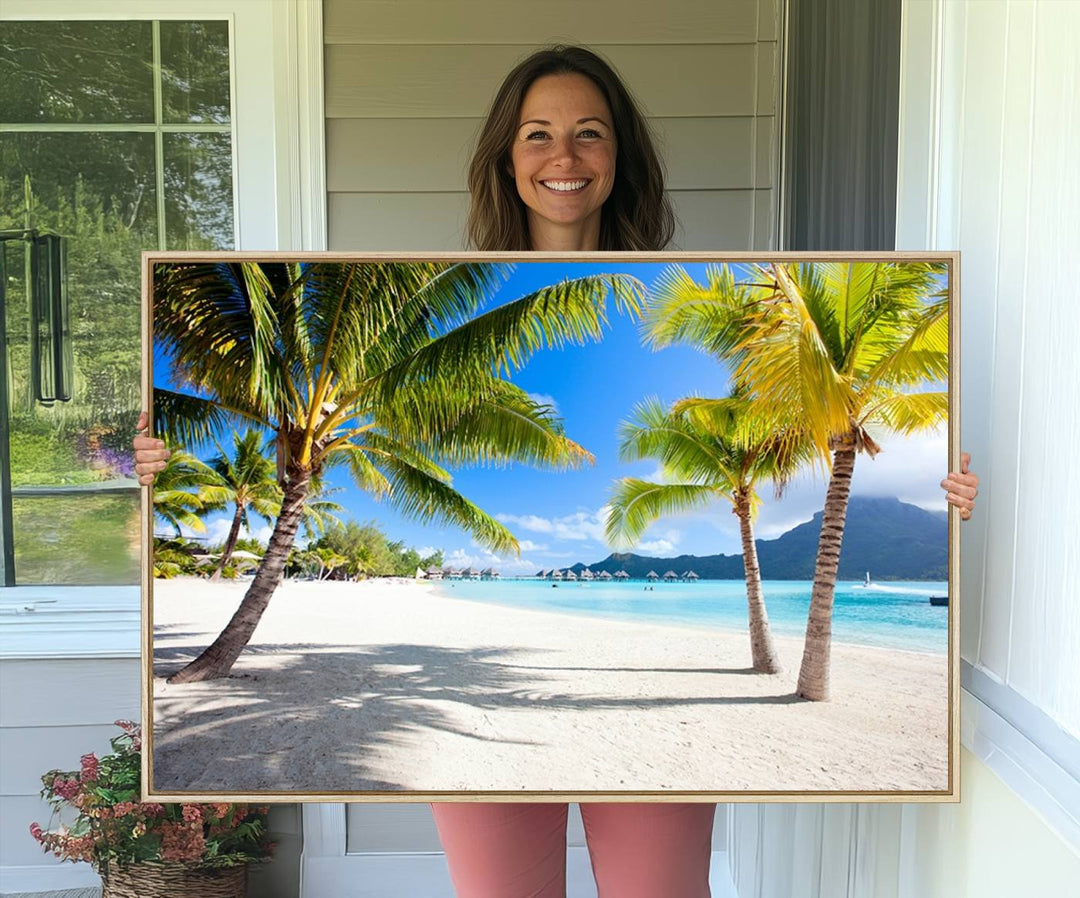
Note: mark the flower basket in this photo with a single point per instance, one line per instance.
(147, 849)
(174, 881)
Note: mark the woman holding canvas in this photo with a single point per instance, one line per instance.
(565, 163)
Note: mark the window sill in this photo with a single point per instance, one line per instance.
(70, 622)
(1033, 756)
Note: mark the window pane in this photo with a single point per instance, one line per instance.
(198, 191)
(78, 540)
(195, 71)
(76, 72)
(97, 190)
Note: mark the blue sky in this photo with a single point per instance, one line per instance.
(558, 516)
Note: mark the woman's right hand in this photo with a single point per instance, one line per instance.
(150, 454)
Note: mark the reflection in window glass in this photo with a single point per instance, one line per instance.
(79, 539)
(99, 186)
(198, 191)
(76, 72)
(195, 71)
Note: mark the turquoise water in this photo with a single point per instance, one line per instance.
(891, 615)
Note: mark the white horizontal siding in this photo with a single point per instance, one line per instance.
(51, 713)
(529, 23)
(447, 81)
(395, 155)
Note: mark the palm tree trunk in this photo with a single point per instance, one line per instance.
(762, 650)
(814, 673)
(218, 658)
(230, 543)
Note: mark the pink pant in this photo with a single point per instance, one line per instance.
(638, 850)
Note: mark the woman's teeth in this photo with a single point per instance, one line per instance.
(564, 186)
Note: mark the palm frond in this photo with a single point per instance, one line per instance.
(636, 504)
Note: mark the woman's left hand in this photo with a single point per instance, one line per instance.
(961, 489)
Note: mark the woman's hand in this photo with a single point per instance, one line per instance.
(150, 454)
(961, 489)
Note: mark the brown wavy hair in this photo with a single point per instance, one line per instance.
(637, 214)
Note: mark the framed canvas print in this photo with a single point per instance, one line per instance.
(589, 527)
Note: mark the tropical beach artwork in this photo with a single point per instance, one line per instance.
(597, 527)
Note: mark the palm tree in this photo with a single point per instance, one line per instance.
(841, 348)
(248, 480)
(184, 490)
(712, 448)
(385, 367)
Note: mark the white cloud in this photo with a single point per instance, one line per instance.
(544, 399)
(217, 531)
(661, 547)
(581, 525)
(527, 545)
(462, 558)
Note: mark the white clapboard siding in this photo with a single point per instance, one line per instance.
(707, 220)
(527, 22)
(457, 80)
(52, 712)
(28, 751)
(61, 692)
(395, 155)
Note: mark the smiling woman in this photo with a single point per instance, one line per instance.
(563, 116)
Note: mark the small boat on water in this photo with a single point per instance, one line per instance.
(940, 601)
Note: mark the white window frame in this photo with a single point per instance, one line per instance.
(279, 199)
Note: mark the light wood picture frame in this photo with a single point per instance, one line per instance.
(631, 419)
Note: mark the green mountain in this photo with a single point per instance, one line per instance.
(889, 538)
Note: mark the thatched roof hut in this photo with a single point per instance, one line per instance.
(622, 575)
(652, 575)
(690, 575)
(570, 575)
(586, 574)
(604, 575)
(671, 575)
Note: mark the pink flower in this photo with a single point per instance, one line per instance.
(123, 808)
(153, 809)
(65, 788)
(36, 831)
(191, 813)
(89, 768)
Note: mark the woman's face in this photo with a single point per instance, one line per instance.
(563, 160)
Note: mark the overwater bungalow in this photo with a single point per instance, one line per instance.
(451, 573)
(671, 577)
(556, 575)
(652, 575)
(690, 575)
(471, 573)
(604, 575)
(570, 575)
(433, 573)
(586, 574)
(622, 575)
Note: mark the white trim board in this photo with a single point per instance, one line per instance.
(1048, 788)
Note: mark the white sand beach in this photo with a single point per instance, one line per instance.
(391, 686)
